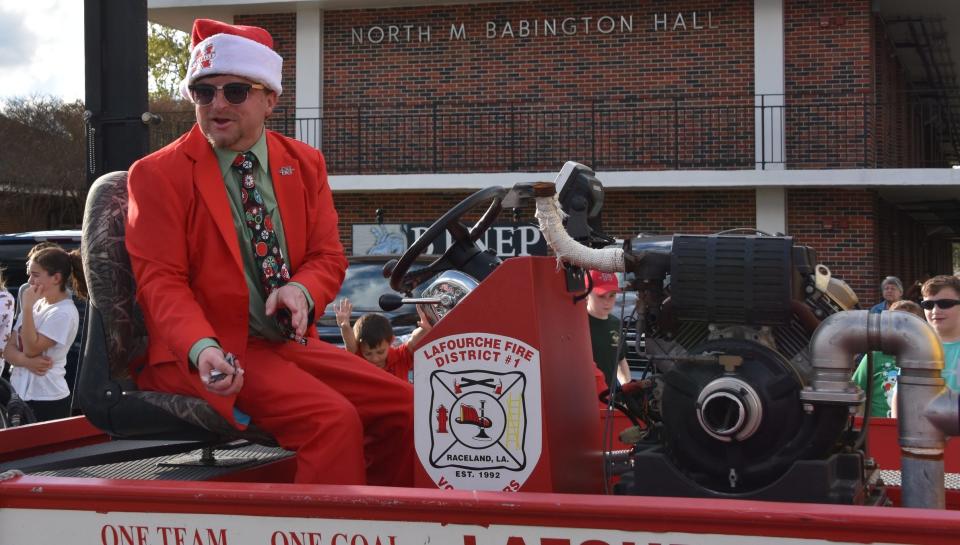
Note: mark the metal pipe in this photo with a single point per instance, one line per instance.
(927, 411)
(942, 412)
(833, 347)
(925, 487)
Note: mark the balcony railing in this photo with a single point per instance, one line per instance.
(662, 134)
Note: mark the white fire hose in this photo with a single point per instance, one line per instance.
(550, 217)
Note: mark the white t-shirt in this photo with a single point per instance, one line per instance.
(58, 322)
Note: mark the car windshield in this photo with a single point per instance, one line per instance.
(363, 285)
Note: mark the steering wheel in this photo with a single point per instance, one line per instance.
(463, 250)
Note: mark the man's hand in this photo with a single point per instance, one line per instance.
(38, 365)
(210, 359)
(293, 299)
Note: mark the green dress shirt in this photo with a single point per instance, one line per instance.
(261, 325)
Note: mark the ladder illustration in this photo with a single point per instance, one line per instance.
(514, 428)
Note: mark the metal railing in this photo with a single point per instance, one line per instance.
(771, 131)
(513, 138)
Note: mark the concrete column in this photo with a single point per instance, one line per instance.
(772, 209)
(309, 72)
(768, 63)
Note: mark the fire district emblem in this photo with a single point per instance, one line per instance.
(475, 411)
(478, 411)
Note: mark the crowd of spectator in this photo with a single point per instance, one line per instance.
(937, 300)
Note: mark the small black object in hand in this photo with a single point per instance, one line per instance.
(217, 376)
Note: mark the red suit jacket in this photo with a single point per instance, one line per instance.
(185, 253)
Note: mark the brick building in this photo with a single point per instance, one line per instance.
(835, 122)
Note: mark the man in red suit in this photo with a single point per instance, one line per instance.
(233, 255)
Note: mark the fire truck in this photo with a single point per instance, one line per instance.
(740, 426)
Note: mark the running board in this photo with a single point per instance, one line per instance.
(110, 452)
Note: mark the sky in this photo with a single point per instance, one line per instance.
(41, 49)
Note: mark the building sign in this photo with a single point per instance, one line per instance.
(505, 239)
(683, 21)
(478, 415)
(619, 23)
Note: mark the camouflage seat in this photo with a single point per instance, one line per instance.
(116, 336)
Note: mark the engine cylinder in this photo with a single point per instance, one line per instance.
(732, 279)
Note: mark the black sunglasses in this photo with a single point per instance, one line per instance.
(928, 304)
(234, 93)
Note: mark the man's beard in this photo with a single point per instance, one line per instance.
(213, 143)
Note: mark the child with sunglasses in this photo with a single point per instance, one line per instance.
(941, 306)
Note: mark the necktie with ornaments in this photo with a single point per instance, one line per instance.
(273, 270)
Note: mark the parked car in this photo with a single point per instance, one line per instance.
(14, 248)
(363, 285)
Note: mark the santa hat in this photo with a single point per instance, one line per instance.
(218, 48)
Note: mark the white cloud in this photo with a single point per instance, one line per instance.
(41, 48)
(15, 49)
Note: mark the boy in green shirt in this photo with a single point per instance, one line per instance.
(605, 328)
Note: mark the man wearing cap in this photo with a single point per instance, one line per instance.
(892, 290)
(605, 329)
(233, 242)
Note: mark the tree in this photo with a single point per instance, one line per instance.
(956, 258)
(167, 59)
(42, 153)
(43, 139)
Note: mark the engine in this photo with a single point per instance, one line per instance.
(723, 324)
(728, 402)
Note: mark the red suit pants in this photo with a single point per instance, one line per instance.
(348, 421)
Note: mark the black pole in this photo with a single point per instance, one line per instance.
(865, 135)
(513, 138)
(433, 134)
(359, 141)
(763, 131)
(115, 49)
(593, 135)
(676, 133)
